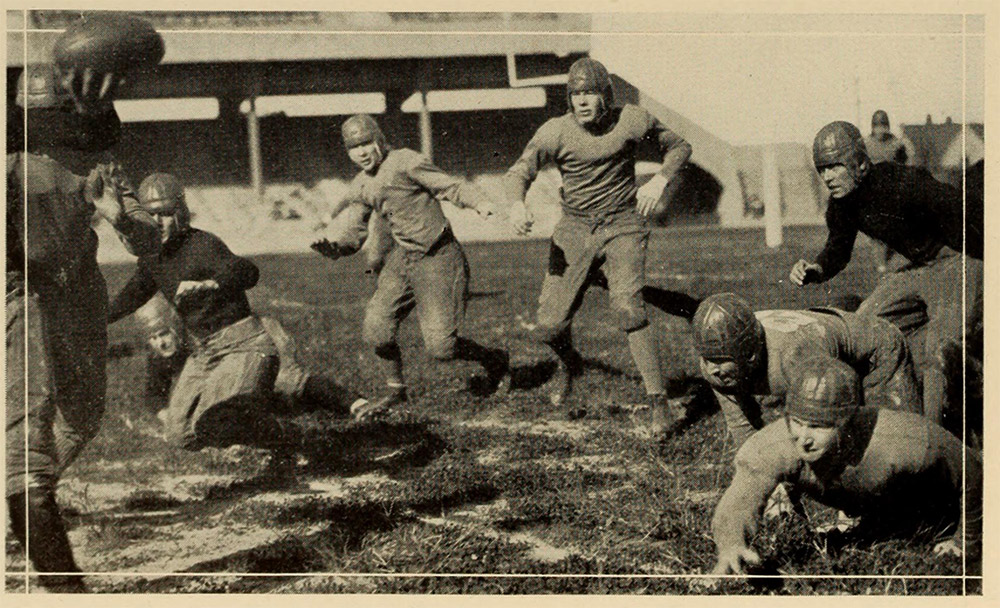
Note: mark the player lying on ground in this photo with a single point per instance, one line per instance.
(225, 392)
(604, 225)
(743, 355)
(168, 349)
(56, 329)
(898, 471)
(426, 268)
(301, 390)
(924, 221)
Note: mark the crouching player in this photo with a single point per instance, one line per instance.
(898, 471)
(224, 394)
(743, 354)
(933, 225)
(426, 270)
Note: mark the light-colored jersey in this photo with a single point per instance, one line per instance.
(871, 345)
(407, 190)
(888, 464)
(598, 171)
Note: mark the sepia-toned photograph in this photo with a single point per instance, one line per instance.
(496, 303)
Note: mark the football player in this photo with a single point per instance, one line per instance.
(744, 355)
(919, 218)
(224, 394)
(604, 226)
(897, 471)
(424, 270)
(57, 298)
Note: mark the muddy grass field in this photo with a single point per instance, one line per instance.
(460, 494)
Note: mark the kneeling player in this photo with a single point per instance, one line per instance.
(225, 392)
(744, 354)
(898, 471)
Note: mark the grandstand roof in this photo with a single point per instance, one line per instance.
(213, 37)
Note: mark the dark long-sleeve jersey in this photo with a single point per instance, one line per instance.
(889, 465)
(905, 208)
(195, 255)
(598, 171)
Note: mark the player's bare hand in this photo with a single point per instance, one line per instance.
(101, 190)
(704, 584)
(804, 272)
(92, 92)
(735, 560)
(649, 195)
(948, 547)
(731, 561)
(325, 248)
(520, 218)
(186, 289)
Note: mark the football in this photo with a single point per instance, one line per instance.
(108, 42)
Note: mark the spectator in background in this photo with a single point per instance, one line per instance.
(884, 147)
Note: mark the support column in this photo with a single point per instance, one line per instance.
(426, 139)
(253, 142)
(771, 193)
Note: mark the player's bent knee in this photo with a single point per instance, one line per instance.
(442, 349)
(547, 334)
(228, 422)
(631, 318)
(378, 336)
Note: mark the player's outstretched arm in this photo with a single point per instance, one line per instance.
(139, 289)
(759, 470)
(104, 188)
(348, 232)
(446, 187)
